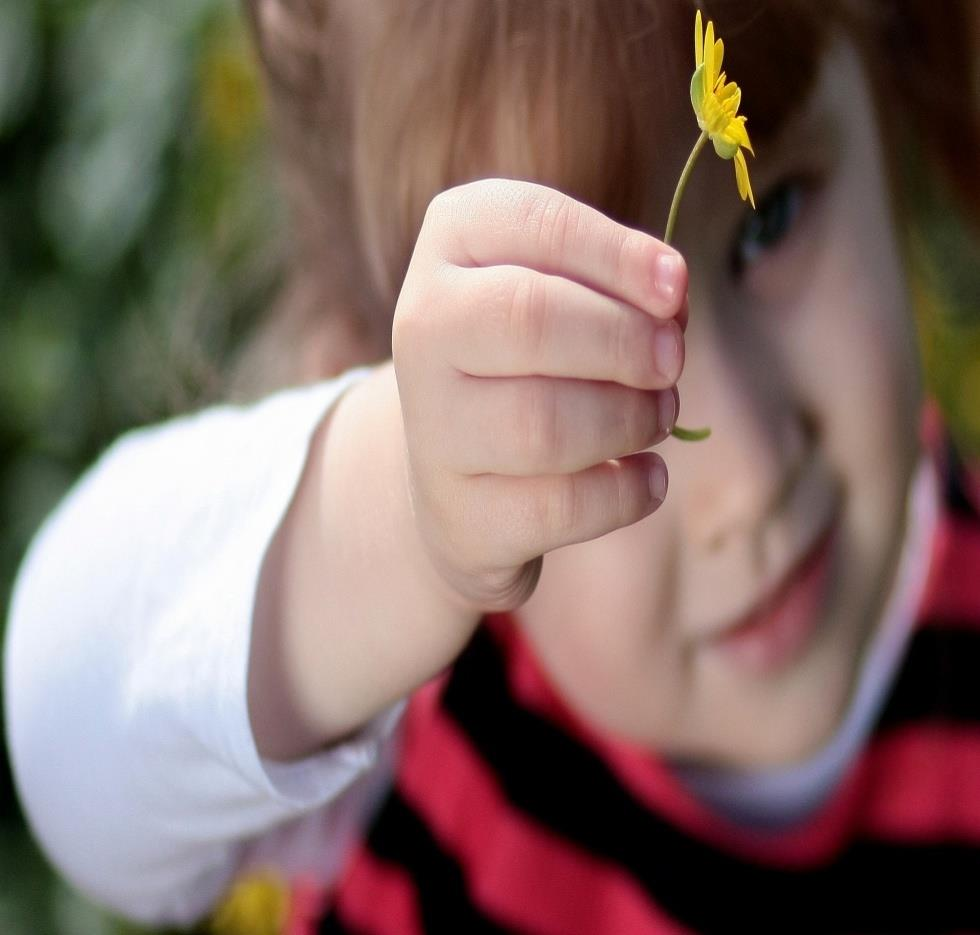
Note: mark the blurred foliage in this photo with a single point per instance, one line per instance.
(138, 244)
(946, 289)
(139, 240)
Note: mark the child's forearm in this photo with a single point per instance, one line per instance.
(349, 616)
(125, 664)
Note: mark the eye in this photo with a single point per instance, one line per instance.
(765, 228)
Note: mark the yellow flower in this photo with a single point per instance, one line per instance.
(256, 905)
(716, 105)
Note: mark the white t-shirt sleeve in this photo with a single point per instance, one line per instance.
(126, 666)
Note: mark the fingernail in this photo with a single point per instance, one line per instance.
(667, 410)
(667, 275)
(667, 351)
(658, 482)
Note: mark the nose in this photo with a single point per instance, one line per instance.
(759, 438)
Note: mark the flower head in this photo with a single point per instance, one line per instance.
(716, 105)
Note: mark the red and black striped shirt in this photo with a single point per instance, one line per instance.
(509, 815)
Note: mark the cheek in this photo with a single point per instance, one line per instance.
(862, 380)
(855, 345)
(869, 388)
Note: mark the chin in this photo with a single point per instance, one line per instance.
(805, 738)
(785, 724)
(756, 745)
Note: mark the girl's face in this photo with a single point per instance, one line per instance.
(801, 359)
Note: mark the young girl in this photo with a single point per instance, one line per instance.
(747, 704)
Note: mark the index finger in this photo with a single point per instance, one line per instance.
(543, 229)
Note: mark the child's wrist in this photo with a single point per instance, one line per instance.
(374, 616)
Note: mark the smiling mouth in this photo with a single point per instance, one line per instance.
(777, 630)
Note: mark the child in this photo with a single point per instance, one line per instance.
(747, 704)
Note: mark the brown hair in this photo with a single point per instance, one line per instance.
(378, 106)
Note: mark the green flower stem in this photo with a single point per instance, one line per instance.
(685, 435)
(681, 185)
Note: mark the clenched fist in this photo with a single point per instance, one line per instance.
(536, 344)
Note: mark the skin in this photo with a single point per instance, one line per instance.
(806, 371)
(471, 472)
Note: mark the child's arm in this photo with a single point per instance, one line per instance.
(126, 661)
(524, 358)
(534, 340)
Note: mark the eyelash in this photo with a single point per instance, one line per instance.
(771, 224)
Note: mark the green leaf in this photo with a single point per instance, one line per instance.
(690, 435)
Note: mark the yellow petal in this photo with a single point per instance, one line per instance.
(698, 41)
(719, 55)
(727, 91)
(710, 75)
(715, 118)
(737, 132)
(744, 135)
(742, 178)
(741, 175)
(730, 102)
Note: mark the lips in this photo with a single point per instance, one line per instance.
(776, 632)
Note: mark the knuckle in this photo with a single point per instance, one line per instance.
(539, 432)
(551, 216)
(623, 499)
(417, 319)
(631, 343)
(561, 509)
(403, 334)
(440, 206)
(637, 425)
(622, 349)
(506, 589)
(633, 252)
(447, 206)
(529, 205)
(528, 313)
(560, 225)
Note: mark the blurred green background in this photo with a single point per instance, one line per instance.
(139, 241)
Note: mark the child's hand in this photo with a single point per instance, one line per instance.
(534, 340)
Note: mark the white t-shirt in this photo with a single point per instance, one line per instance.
(126, 671)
